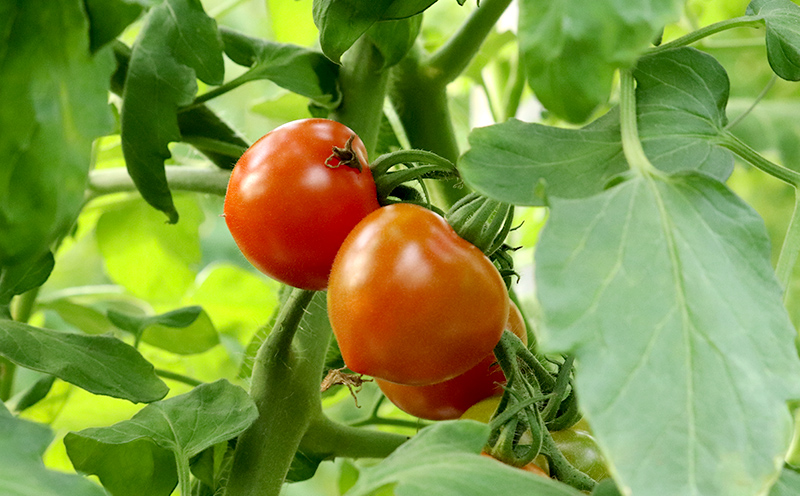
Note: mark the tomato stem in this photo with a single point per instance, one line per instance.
(344, 156)
(688, 39)
(179, 177)
(562, 469)
(631, 144)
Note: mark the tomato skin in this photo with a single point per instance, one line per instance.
(581, 450)
(287, 210)
(452, 398)
(410, 301)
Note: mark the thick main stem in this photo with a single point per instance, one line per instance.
(285, 389)
(363, 81)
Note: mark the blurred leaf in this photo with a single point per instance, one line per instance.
(282, 108)
(292, 22)
(185, 331)
(663, 290)
(34, 394)
(22, 472)
(342, 22)
(177, 43)
(23, 277)
(771, 127)
(151, 259)
(99, 364)
(237, 300)
(572, 49)
(443, 459)
(175, 429)
(55, 103)
(782, 18)
(606, 488)
(81, 317)
(108, 18)
(393, 39)
(788, 484)
(524, 163)
(297, 69)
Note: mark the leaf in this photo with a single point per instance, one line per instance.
(164, 435)
(663, 290)
(297, 69)
(151, 259)
(21, 278)
(393, 39)
(55, 103)
(443, 459)
(342, 22)
(22, 472)
(108, 18)
(185, 331)
(524, 163)
(572, 49)
(34, 394)
(782, 18)
(177, 43)
(99, 364)
(788, 484)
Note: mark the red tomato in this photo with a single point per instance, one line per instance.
(410, 301)
(451, 398)
(290, 202)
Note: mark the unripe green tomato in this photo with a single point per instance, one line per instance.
(581, 450)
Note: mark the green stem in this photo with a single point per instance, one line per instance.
(179, 177)
(24, 305)
(631, 145)
(688, 39)
(562, 469)
(190, 381)
(382, 164)
(449, 61)
(411, 424)
(7, 372)
(758, 99)
(220, 90)
(741, 148)
(363, 81)
(285, 388)
(790, 248)
(184, 474)
(326, 436)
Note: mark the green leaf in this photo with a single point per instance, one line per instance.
(297, 69)
(185, 331)
(663, 290)
(142, 454)
(524, 163)
(782, 18)
(99, 364)
(151, 259)
(55, 103)
(443, 459)
(22, 472)
(177, 43)
(788, 484)
(572, 49)
(393, 39)
(108, 18)
(342, 22)
(20, 278)
(34, 394)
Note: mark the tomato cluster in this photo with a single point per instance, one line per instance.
(411, 303)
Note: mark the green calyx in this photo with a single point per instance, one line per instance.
(482, 221)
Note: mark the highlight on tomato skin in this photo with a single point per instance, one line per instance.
(410, 301)
(452, 398)
(292, 199)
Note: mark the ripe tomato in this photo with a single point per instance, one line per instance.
(410, 301)
(452, 398)
(290, 202)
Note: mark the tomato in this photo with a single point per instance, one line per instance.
(452, 398)
(290, 202)
(410, 301)
(581, 450)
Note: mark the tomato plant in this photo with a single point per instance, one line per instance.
(295, 195)
(451, 398)
(627, 172)
(410, 302)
